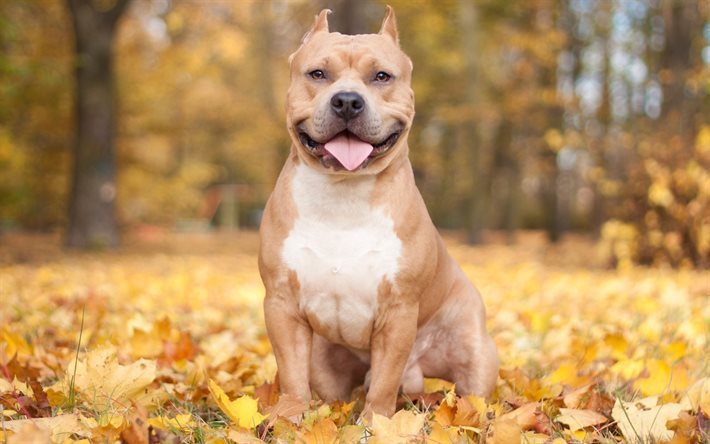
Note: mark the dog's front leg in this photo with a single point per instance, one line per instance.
(291, 338)
(391, 345)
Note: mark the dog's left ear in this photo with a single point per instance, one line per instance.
(389, 25)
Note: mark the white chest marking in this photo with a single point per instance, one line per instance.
(341, 248)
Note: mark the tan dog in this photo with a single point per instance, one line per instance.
(358, 282)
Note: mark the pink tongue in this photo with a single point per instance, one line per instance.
(350, 151)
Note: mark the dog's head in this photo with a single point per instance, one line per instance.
(350, 104)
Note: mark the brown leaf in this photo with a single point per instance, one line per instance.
(288, 406)
(323, 432)
(523, 416)
(444, 414)
(466, 414)
(267, 394)
(577, 419)
(578, 398)
(137, 431)
(685, 428)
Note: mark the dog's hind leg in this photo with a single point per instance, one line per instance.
(335, 370)
(478, 376)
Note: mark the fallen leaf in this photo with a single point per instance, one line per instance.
(402, 428)
(662, 378)
(442, 435)
(432, 385)
(243, 411)
(288, 406)
(322, 432)
(137, 431)
(241, 437)
(567, 374)
(444, 414)
(103, 383)
(577, 419)
(180, 423)
(524, 416)
(576, 398)
(351, 434)
(698, 396)
(505, 430)
(57, 427)
(644, 419)
(30, 433)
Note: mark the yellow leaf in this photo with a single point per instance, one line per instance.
(628, 368)
(702, 140)
(14, 344)
(442, 435)
(618, 345)
(478, 403)
(58, 427)
(566, 374)
(577, 419)
(675, 350)
(104, 383)
(8, 413)
(323, 432)
(243, 411)
(643, 419)
(351, 433)
(183, 423)
(444, 414)
(698, 395)
(403, 427)
(433, 385)
(145, 344)
(662, 378)
(506, 431)
(467, 414)
(240, 437)
(531, 437)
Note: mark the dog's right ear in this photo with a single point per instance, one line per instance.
(320, 24)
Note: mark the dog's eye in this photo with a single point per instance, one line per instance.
(382, 77)
(317, 74)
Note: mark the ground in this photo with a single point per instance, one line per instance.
(164, 341)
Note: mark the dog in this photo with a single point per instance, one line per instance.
(359, 286)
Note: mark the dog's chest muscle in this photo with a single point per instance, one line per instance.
(341, 249)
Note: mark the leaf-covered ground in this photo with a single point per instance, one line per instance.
(164, 342)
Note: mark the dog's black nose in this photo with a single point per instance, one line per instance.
(347, 105)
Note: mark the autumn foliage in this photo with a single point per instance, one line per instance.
(165, 340)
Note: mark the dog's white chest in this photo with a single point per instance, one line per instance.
(341, 249)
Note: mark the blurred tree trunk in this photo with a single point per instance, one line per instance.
(476, 203)
(556, 189)
(600, 139)
(92, 221)
(680, 19)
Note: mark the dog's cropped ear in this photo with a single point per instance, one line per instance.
(320, 24)
(389, 25)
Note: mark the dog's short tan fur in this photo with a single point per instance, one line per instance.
(358, 283)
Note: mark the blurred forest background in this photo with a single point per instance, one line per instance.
(580, 115)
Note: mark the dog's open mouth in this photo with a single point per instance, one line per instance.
(346, 150)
